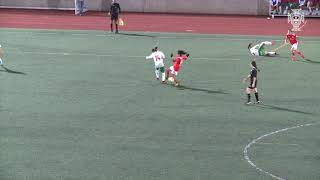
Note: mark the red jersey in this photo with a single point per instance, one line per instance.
(292, 38)
(178, 61)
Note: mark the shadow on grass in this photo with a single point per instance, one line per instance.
(311, 61)
(181, 87)
(135, 34)
(11, 71)
(268, 106)
(277, 56)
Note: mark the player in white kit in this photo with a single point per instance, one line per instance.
(158, 58)
(258, 49)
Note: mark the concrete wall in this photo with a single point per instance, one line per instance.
(263, 7)
(54, 4)
(245, 7)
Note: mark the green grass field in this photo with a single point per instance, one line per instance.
(85, 105)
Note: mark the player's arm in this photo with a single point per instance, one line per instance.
(110, 10)
(173, 59)
(253, 82)
(187, 56)
(149, 57)
(246, 78)
(119, 8)
(303, 25)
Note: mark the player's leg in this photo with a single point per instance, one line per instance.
(176, 82)
(300, 54)
(270, 53)
(156, 71)
(255, 91)
(248, 92)
(297, 51)
(111, 23)
(163, 76)
(173, 75)
(269, 43)
(293, 56)
(1, 62)
(294, 50)
(168, 72)
(116, 22)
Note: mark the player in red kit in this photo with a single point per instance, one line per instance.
(292, 38)
(174, 70)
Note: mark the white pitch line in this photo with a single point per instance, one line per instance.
(282, 144)
(108, 55)
(255, 141)
(224, 37)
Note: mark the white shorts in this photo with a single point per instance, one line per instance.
(294, 47)
(158, 65)
(172, 71)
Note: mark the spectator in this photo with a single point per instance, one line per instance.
(302, 4)
(115, 10)
(79, 7)
(285, 6)
(76, 9)
(290, 4)
(276, 7)
(311, 5)
(317, 8)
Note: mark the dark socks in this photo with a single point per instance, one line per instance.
(249, 96)
(111, 27)
(257, 96)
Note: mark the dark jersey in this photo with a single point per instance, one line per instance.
(115, 9)
(253, 74)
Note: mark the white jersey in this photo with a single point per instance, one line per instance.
(254, 50)
(158, 58)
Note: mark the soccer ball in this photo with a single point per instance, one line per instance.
(170, 79)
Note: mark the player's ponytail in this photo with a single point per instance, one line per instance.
(254, 64)
(182, 52)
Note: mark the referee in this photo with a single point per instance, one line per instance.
(115, 10)
(252, 88)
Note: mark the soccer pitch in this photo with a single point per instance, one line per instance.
(85, 105)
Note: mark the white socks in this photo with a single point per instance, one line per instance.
(163, 77)
(157, 73)
(267, 43)
(1, 61)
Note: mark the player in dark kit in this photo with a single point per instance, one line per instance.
(253, 83)
(115, 10)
